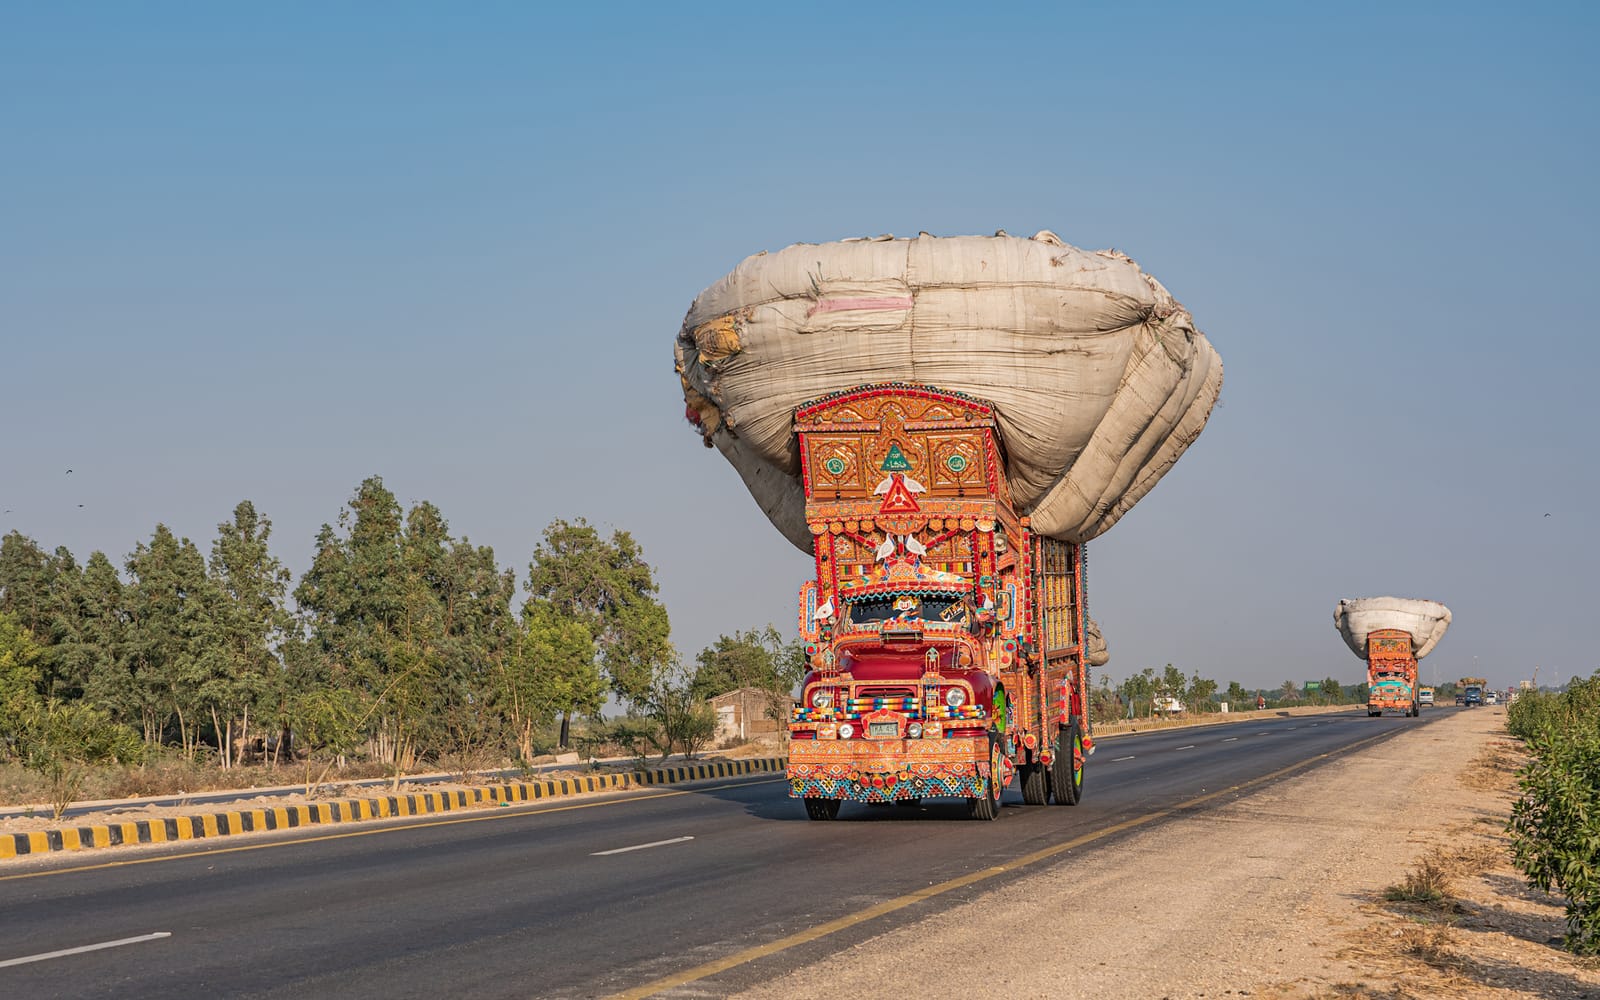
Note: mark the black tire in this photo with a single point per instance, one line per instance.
(987, 807)
(1035, 784)
(822, 808)
(1066, 778)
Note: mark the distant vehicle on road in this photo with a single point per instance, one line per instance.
(1461, 699)
(1493, 697)
(1170, 706)
(1425, 696)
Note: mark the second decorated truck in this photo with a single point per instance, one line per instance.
(1391, 634)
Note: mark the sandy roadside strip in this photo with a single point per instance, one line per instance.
(1263, 895)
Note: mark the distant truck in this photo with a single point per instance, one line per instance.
(1472, 690)
(1391, 634)
(1424, 696)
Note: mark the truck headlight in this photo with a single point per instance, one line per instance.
(914, 730)
(955, 697)
(821, 699)
(846, 731)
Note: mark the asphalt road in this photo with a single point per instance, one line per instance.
(723, 883)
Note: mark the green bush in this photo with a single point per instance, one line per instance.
(1555, 825)
(61, 741)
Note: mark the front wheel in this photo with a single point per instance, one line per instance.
(988, 806)
(817, 808)
(1066, 776)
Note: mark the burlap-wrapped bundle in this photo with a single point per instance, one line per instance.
(1099, 376)
(1425, 620)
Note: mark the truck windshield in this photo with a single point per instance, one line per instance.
(948, 608)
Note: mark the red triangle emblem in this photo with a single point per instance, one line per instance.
(899, 500)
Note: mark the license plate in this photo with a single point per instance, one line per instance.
(883, 730)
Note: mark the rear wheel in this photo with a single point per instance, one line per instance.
(988, 806)
(822, 808)
(1066, 777)
(1035, 784)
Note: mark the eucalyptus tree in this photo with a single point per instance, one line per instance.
(39, 589)
(550, 673)
(104, 628)
(606, 584)
(398, 610)
(251, 626)
(173, 639)
(27, 579)
(354, 603)
(20, 681)
(1201, 692)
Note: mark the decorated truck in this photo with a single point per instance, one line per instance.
(1471, 689)
(941, 425)
(948, 639)
(1391, 634)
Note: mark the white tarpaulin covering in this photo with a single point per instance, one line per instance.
(1098, 654)
(1100, 378)
(1425, 620)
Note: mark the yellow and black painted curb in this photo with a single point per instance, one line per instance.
(222, 824)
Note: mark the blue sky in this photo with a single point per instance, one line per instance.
(264, 253)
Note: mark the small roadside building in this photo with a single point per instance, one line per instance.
(749, 711)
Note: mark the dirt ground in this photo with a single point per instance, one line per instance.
(1280, 894)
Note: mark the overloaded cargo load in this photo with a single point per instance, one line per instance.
(1095, 652)
(1099, 376)
(1424, 621)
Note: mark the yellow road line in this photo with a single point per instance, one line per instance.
(899, 903)
(539, 810)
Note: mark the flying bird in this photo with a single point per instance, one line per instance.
(1547, 515)
(69, 472)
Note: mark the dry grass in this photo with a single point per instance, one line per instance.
(1397, 950)
(1492, 767)
(1429, 942)
(1429, 882)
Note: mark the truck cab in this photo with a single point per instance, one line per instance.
(1472, 695)
(945, 640)
(1391, 673)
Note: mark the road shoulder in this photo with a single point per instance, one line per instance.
(1278, 893)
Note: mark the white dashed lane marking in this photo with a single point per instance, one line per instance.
(640, 847)
(158, 935)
